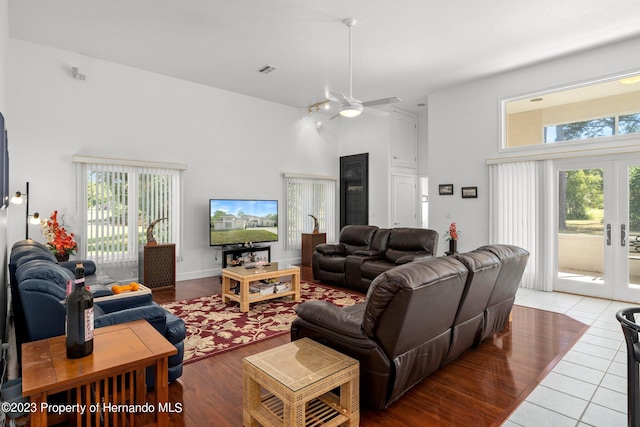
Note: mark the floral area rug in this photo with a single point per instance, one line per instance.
(214, 327)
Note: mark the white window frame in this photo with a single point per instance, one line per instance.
(307, 195)
(165, 231)
(608, 144)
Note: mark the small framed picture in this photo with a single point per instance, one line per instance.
(469, 192)
(445, 189)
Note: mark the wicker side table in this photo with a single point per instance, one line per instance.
(298, 377)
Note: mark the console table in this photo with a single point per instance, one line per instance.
(112, 374)
(233, 253)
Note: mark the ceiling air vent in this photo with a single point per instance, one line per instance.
(267, 69)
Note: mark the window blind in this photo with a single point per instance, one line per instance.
(517, 213)
(117, 203)
(308, 195)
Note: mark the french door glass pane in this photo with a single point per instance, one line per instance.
(581, 225)
(634, 225)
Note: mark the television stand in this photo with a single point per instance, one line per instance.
(230, 253)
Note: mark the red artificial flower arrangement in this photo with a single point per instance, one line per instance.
(452, 232)
(59, 240)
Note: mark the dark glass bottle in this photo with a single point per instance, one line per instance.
(79, 326)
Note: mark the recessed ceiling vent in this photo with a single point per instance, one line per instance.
(267, 69)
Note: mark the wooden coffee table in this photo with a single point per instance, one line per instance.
(104, 378)
(299, 378)
(244, 276)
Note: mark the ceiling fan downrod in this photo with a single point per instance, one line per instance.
(350, 22)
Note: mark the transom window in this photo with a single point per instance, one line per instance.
(594, 128)
(589, 113)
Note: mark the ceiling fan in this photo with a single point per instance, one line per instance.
(349, 106)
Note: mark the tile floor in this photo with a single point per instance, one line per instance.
(588, 387)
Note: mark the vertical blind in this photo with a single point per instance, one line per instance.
(517, 212)
(117, 203)
(308, 195)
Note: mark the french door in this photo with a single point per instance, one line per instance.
(598, 228)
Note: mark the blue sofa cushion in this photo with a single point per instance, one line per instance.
(89, 266)
(40, 269)
(31, 255)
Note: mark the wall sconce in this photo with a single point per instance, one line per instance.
(29, 219)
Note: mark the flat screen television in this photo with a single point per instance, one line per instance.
(239, 221)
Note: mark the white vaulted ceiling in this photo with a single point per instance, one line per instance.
(404, 48)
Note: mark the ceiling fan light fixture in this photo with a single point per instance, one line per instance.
(353, 110)
(630, 80)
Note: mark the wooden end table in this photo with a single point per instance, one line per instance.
(299, 377)
(102, 379)
(244, 276)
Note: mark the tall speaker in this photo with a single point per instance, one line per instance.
(157, 266)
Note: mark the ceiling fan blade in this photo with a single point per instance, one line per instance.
(337, 115)
(376, 112)
(341, 98)
(382, 101)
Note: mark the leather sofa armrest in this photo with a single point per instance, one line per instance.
(330, 249)
(413, 257)
(330, 316)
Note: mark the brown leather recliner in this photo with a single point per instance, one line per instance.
(400, 334)
(514, 261)
(399, 246)
(328, 260)
(468, 325)
(365, 251)
(417, 317)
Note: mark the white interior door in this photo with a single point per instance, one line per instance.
(404, 194)
(597, 222)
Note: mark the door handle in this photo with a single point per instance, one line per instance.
(607, 235)
(623, 233)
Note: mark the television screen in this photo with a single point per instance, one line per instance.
(234, 221)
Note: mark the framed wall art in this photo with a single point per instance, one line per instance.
(469, 192)
(445, 189)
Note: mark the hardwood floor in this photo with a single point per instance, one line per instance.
(482, 387)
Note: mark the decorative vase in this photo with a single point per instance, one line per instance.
(62, 256)
(453, 246)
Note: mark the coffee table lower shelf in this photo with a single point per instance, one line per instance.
(324, 410)
(292, 385)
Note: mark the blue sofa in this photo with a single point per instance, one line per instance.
(38, 290)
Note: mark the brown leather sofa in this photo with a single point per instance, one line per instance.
(417, 317)
(365, 251)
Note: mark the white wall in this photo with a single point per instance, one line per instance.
(234, 146)
(371, 134)
(463, 131)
